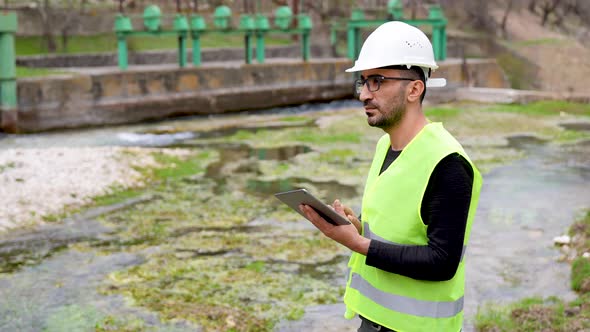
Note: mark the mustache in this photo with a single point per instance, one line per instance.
(368, 103)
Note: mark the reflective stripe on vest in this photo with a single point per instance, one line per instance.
(404, 304)
(372, 236)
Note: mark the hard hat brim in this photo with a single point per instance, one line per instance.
(436, 82)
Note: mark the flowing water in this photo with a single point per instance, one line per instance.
(48, 283)
(522, 207)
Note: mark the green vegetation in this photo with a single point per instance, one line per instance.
(520, 73)
(551, 314)
(441, 113)
(294, 118)
(540, 41)
(170, 167)
(211, 267)
(108, 43)
(32, 72)
(7, 166)
(554, 107)
(301, 135)
(214, 267)
(580, 232)
(222, 254)
(73, 318)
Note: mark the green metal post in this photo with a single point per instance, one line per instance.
(8, 26)
(435, 41)
(262, 26)
(122, 48)
(248, 26)
(333, 35)
(305, 24)
(248, 47)
(182, 50)
(260, 47)
(358, 42)
(181, 28)
(439, 32)
(438, 41)
(351, 43)
(197, 26)
(396, 9)
(196, 49)
(122, 28)
(354, 42)
(443, 32)
(306, 46)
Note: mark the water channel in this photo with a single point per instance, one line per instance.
(52, 278)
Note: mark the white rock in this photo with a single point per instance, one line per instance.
(586, 255)
(562, 240)
(38, 182)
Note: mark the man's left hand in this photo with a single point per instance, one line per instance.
(347, 235)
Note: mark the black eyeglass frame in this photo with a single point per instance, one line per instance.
(360, 83)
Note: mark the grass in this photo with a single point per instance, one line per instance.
(22, 72)
(173, 168)
(105, 43)
(540, 41)
(108, 43)
(551, 314)
(301, 135)
(555, 107)
(520, 73)
(215, 267)
(441, 113)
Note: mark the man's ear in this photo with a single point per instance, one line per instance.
(415, 89)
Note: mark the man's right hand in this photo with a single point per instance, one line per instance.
(349, 214)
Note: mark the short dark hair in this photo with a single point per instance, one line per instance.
(419, 75)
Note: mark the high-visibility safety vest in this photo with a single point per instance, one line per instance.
(391, 213)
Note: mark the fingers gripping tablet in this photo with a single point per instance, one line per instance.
(301, 196)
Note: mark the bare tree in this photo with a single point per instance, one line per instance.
(505, 18)
(478, 14)
(71, 19)
(547, 7)
(414, 7)
(45, 10)
(532, 5)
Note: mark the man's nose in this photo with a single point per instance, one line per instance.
(365, 94)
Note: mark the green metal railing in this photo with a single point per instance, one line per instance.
(152, 17)
(8, 26)
(436, 20)
(250, 26)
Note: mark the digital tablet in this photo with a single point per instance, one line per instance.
(301, 196)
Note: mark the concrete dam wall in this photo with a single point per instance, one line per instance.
(105, 96)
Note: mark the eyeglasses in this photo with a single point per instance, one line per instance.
(373, 82)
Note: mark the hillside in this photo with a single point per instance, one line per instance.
(563, 61)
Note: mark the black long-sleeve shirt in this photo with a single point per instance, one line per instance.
(444, 209)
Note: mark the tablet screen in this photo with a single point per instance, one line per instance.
(301, 196)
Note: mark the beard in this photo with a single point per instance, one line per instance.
(387, 118)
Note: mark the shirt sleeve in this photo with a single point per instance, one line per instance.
(444, 209)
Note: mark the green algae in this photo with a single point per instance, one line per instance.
(73, 318)
(218, 292)
(225, 255)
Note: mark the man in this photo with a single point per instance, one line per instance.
(406, 271)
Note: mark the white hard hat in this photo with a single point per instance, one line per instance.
(398, 43)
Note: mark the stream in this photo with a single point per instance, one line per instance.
(48, 283)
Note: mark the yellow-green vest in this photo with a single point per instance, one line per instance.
(391, 213)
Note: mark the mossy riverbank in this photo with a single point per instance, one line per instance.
(220, 253)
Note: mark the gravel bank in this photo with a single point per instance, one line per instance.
(40, 182)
